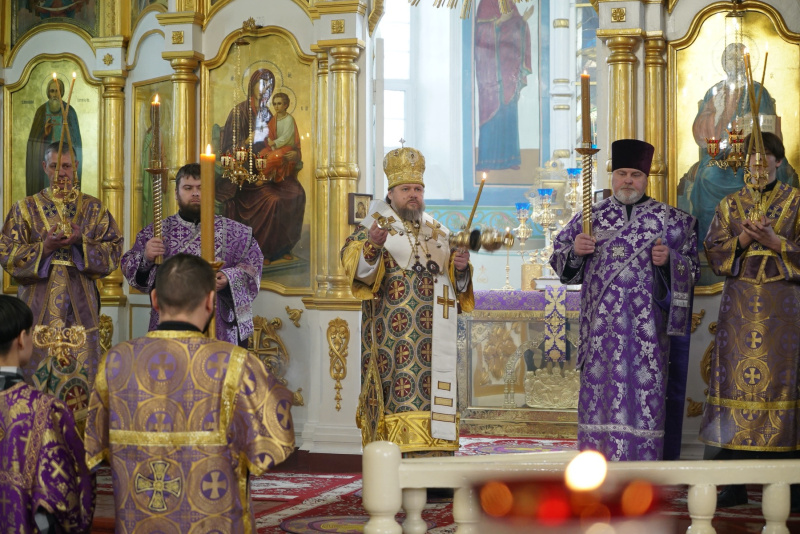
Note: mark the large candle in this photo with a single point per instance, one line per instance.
(585, 113)
(207, 161)
(155, 120)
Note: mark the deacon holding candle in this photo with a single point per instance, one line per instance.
(637, 272)
(412, 286)
(239, 278)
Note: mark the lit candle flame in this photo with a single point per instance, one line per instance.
(54, 76)
(74, 75)
(208, 149)
(484, 177)
(155, 100)
(586, 471)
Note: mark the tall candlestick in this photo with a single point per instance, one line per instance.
(65, 125)
(207, 161)
(477, 198)
(61, 138)
(155, 119)
(585, 113)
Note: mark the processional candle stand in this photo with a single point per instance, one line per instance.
(158, 172)
(586, 150)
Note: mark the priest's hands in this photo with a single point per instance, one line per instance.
(584, 245)
(660, 253)
(762, 232)
(154, 248)
(461, 259)
(377, 235)
(222, 281)
(55, 239)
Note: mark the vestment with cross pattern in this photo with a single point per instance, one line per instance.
(61, 288)
(629, 308)
(42, 465)
(753, 399)
(413, 314)
(183, 420)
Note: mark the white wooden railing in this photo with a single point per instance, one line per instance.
(391, 483)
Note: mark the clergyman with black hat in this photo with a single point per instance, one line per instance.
(412, 285)
(637, 272)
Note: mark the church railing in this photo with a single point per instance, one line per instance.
(391, 483)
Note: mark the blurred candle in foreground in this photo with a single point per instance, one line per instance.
(586, 120)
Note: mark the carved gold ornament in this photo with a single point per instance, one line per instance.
(108, 59)
(106, 328)
(294, 315)
(267, 344)
(60, 342)
(617, 14)
(338, 338)
(697, 318)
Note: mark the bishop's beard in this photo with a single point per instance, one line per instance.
(411, 214)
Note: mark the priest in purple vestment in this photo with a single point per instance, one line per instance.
(57, 273)
(183, 420)
(45, 485)
(752, 411)
(637, 272)
(239, 278)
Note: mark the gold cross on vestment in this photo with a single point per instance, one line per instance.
(384, 222)
(158, 485)
(446, 302)
(434, 229)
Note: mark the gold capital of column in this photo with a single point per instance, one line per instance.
(655, 66)
(112, 170)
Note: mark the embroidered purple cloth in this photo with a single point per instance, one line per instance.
(234, 245)
(624, 332)
(522, 300)
(42, 463)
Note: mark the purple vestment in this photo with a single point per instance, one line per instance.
(753, 394)
(627, 313)
(183, 420)
(60, 288)
(42, 463)
(234, 246)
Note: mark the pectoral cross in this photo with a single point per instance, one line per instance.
(435, 232)
(385, 223)
(446, 302)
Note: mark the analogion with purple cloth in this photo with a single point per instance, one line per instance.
(242, 261)
(629, 308)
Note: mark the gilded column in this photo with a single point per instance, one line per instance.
(343, 168)
(182, 145)
(655, 66)
(112, 171)
(621, 88)
(322, 155)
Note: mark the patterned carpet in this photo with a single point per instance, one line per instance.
(339, 509)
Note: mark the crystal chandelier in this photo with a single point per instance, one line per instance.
(242, 164)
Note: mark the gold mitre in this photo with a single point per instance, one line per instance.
(404, 165)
